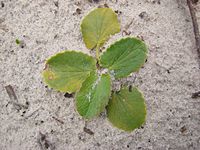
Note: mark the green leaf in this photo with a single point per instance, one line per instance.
(126, 110)
(93, 95)
(124, 57)
(98, 25)
(17, 41)
(66, 71)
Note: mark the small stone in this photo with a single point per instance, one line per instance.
(144, 15)
(183, 129)
(2, 4)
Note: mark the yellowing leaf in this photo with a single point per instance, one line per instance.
(126, 110)
(124, 57)
(98, 25)
(93, 95)
(66, 71)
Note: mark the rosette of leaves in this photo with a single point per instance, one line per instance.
(76, 72)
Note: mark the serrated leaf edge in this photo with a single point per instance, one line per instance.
(109, 49)
(98, 113)
(55, 55)
(145, 117)
(108, 36)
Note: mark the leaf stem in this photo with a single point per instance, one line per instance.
(97, 53)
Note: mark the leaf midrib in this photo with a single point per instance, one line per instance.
(121, 55)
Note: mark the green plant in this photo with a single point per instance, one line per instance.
(17, 41)
(72, 71)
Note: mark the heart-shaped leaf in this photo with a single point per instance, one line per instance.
(66, 71)
(98, 25)
(93, 95)
(126, 110)
(124, 57)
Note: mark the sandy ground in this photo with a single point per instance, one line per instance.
(168, 78)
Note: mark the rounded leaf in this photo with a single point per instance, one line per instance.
(126, 110)
(124, 57)
(66, 71)
(98, 25)
(93, 96)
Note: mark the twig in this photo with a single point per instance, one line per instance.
(44, 143)
(125, 32)
(60, 121)
(13, 98)
(195, 26)
(34, 112)
(19, 106)
(195, 1)
(11, 93)
(127, 27)
(88, 131)
(196, 94)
